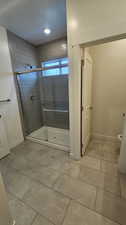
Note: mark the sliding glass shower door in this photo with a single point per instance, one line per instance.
(55, 103)
(45, 103)
(30, 101)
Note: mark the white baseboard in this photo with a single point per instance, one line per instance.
(102, 137)
(74, 157)
(49, 144)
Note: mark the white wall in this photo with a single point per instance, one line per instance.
(9, 111)
(88, 21)
(93, 20)
(109, 88)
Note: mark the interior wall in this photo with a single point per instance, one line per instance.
(52, 50)
(22, 52)
(88, 21)
(9, 110)
(94, 20)
(109, 88)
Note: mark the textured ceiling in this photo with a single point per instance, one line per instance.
(28, 18)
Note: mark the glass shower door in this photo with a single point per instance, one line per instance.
(30, 101)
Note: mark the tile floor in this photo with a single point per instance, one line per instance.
(46, 187)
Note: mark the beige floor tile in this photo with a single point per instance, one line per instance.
(90, 162)
(21, 213)
(100, 179)
(47, 202)
(58, 164)
(21, 163)
(91, 176)
(29, 150)
(17, 184)
(110, 168)
(123, 185)
(53, 159)
(43, 175)
(75, 189)
(80, 215)
(39, 220)
(69, 163)
(95, 144)
(108, 156)
(95, 153)
(79, 180)
(29, 145)
(73, 171)
(37, 155)
(111, 206)
(112, 147)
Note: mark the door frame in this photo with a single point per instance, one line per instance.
(85, 56)
(75, 84)
(20, 103)
(81, 107)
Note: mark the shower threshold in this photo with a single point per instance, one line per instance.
(53, 137)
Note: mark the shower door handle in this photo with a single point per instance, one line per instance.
(33, 97)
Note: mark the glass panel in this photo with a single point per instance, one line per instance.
(51, 72)
(65, 70)
(51, 63)
(57, 71)
(64, 61)
(45, 105)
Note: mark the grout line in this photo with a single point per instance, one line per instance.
(53, 186)
(29, 206)
(70, 199)
(94, 210)
(66, 210)
(34, 219)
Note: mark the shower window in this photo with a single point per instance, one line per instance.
(56, 71)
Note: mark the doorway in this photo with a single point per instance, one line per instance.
(103, 92)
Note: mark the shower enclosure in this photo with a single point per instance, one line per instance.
(45, 104)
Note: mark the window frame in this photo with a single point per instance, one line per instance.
(60, 66)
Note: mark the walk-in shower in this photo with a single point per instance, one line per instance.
(45, 103)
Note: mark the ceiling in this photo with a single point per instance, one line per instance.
(28, 18)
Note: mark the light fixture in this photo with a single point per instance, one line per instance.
(47, 31)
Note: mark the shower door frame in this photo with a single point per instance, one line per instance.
(19, 92)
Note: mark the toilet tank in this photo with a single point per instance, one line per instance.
(5, 217)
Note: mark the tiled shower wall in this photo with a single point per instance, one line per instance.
(52, 50)
(22, 52)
